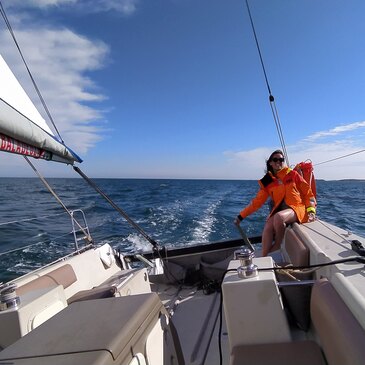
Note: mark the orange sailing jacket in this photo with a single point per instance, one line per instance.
(288, 187)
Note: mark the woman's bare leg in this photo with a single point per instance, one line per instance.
(280, 220)
(268, 236)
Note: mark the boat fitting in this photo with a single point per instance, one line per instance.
(247, 269)
(8, 297)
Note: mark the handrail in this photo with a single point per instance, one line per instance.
(86, 236)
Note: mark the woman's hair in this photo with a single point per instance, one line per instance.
(268, 166)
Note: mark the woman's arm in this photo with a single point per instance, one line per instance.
(255, 204)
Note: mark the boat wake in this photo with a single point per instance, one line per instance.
(205, 226)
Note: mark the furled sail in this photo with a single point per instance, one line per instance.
(22, 129)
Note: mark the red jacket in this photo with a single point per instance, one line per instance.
(286, 186)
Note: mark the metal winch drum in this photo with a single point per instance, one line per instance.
(8, 297)
(247, 269)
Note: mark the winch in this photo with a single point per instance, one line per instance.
(8, 297)
(247, 269)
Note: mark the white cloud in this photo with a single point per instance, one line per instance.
(336, 131)
(125, 7)
(251, 163)
(336, 154)
(59, 64)
(60, 61)
(36, 3)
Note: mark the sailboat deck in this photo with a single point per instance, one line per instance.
(196, 318)
(328, 243)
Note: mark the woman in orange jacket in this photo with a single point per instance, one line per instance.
(292, 199)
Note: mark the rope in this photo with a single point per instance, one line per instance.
(338, 158)
(278, 128)
(87, 235)
(358, 259)
(258, 49)
(29, 219)
(32, 244)
(271, 97)
(119, 210)
(273, 105)
(331, 230)
(29, 72)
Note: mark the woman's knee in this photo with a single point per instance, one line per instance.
(279, 220)
(284, 217)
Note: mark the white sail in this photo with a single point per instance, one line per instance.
(22, 128)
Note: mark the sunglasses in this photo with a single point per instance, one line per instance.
(275, 159)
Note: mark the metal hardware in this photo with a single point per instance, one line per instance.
(81, 233)
(358, 247)
(247, 269)
(8, 297)
(143, 259)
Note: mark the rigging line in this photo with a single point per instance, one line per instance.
(338, 158)
(258, 49)
(119, 210)
(2, 10)
(19, 249)
(333, 231)
(271, 97)
(87, 235)
(34, 244)
(29, 219)
(279, 130)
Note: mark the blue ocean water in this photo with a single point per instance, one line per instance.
(172, 212)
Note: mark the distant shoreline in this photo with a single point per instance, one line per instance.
(165, 178)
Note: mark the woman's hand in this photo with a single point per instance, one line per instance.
(311, 217)
(237, 221)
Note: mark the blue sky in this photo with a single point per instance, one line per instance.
(174, 88)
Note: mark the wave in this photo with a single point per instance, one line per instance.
(172, 212)
(204, 228)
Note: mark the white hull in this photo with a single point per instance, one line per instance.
(87, 311)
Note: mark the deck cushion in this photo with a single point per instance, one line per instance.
(342, 337)
(298, 253)
(63, 275)
(118, 326)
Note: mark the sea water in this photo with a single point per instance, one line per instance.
(35, 229)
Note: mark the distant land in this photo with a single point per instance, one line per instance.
(357, 180)
(343, 180)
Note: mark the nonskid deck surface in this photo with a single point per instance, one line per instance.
(196, 318)
(195, 315)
